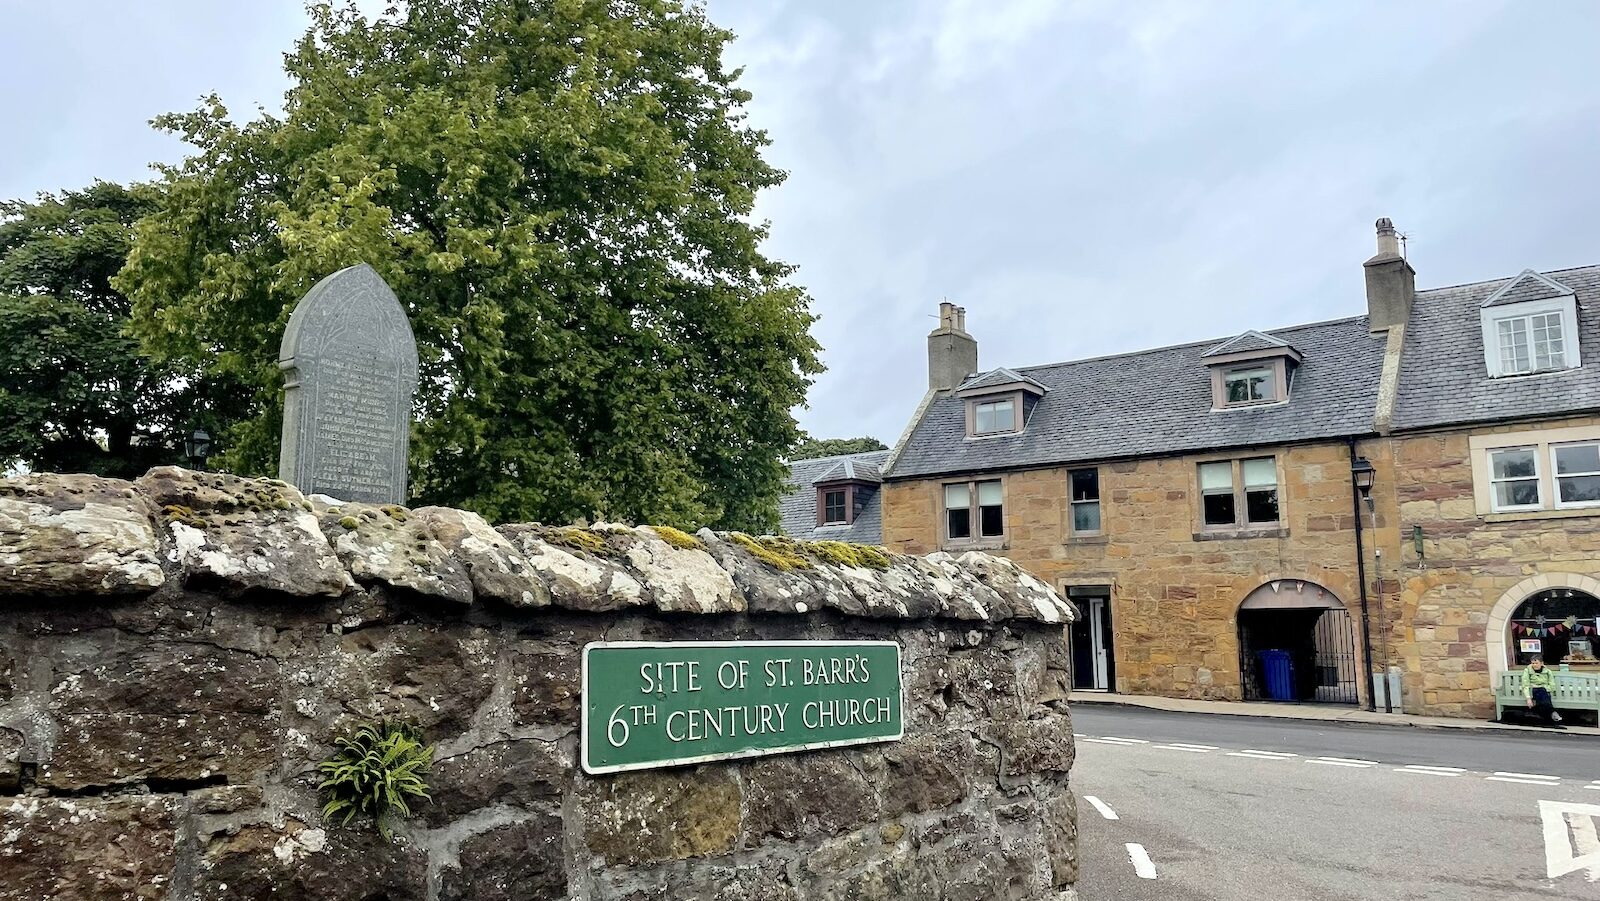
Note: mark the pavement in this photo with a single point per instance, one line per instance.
(1319, 712)
(1180, 805)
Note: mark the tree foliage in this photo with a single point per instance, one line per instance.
(75, 393)
(560, 193)
(828, 447)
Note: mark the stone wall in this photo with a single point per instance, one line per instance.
(1175, 594)
(1469, 563)
(177, 655)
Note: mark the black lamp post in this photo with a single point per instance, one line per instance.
(197, 447)
(1362, 476)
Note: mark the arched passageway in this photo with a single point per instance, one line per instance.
(1297, 643)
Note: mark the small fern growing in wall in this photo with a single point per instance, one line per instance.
(379, 771)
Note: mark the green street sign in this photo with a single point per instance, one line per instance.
(655, 704)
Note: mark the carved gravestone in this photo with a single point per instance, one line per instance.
(350, 370)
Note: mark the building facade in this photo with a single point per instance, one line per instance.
(835, 498)
(1203, 505)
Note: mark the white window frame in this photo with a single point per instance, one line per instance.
(1073, 505)
(1556, 476)
(1537, 477)
(1492, 317)
(975, 512)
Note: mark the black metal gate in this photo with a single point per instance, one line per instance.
(1298, 655)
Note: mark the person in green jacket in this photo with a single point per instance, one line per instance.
(1537, 684)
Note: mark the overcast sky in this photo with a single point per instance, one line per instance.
(1086, 178)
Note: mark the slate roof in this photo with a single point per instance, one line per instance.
(1251, 340)
(1158, 402)
(1443, 377)
(1001, 376)
(798, 508)
(1529, 285)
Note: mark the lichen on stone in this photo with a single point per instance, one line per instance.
(845, 553)
(678, 538)
(577, 539)
(396, 513)
(782, 554)
(350, 522)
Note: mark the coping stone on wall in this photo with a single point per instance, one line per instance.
(64, 535)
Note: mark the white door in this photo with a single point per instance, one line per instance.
(1097, 643)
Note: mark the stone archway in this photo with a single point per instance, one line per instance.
(1311, 630)
(1497, 632)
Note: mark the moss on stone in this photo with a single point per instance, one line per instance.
(845, 553)
(185, 515)
(396, 513)
(578, 539)
(782, 554)
(678, 538)
(350, 522)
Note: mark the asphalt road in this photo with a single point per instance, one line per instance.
(1240, 809)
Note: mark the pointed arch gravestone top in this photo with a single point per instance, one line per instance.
(350, 372)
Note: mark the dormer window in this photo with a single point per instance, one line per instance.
(1530, 325)
(993, 416)
(844, 489)
(999, 402)
(1254, 368)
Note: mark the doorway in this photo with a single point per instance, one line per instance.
(1297, 644)
(1093, 664)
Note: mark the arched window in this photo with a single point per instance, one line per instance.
(1561, 624)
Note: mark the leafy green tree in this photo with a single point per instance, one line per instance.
(560, 193)
(828, 447)
(75, 393)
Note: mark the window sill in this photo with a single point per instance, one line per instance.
(1252, 532)
(981, 544)
(1093, 538)
(1514, 516)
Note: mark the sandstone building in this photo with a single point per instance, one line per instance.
(1259, 516)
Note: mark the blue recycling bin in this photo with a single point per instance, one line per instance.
(1277, 671)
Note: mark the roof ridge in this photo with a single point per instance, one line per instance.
(1181, 345)
(1506, 278)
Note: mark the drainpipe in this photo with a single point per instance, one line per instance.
(1361, 578)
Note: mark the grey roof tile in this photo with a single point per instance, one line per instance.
(798, 507)
(1159, 402)
(1251, 340)
(1529, 285)
(1001, 376)
(1445, 381)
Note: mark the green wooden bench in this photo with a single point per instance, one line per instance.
(1573, 691)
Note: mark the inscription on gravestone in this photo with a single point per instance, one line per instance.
(350, 371)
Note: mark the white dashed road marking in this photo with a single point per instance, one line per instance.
(1100, 805)
(1111, 740)
(1193, 749)
(1261, 755)
(1524, 778)
(1342, 761)
(1594, 785)
(1418, 769)
(1142, 866)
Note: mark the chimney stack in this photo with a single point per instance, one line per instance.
(1391, 282)
(952, 353)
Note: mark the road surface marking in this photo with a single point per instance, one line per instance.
(1582, 851)
(1141, 861)
(1193, 750)
(1527, 775)
(1544, 782)
(1113, 741)
(1100, 805)
(1342, 761)
(1194, 747)
(1275, 753)
(1419, 770)
(1131, 741)
(1260, 755)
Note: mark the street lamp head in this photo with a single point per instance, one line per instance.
(1363, 474)
(197, 446)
